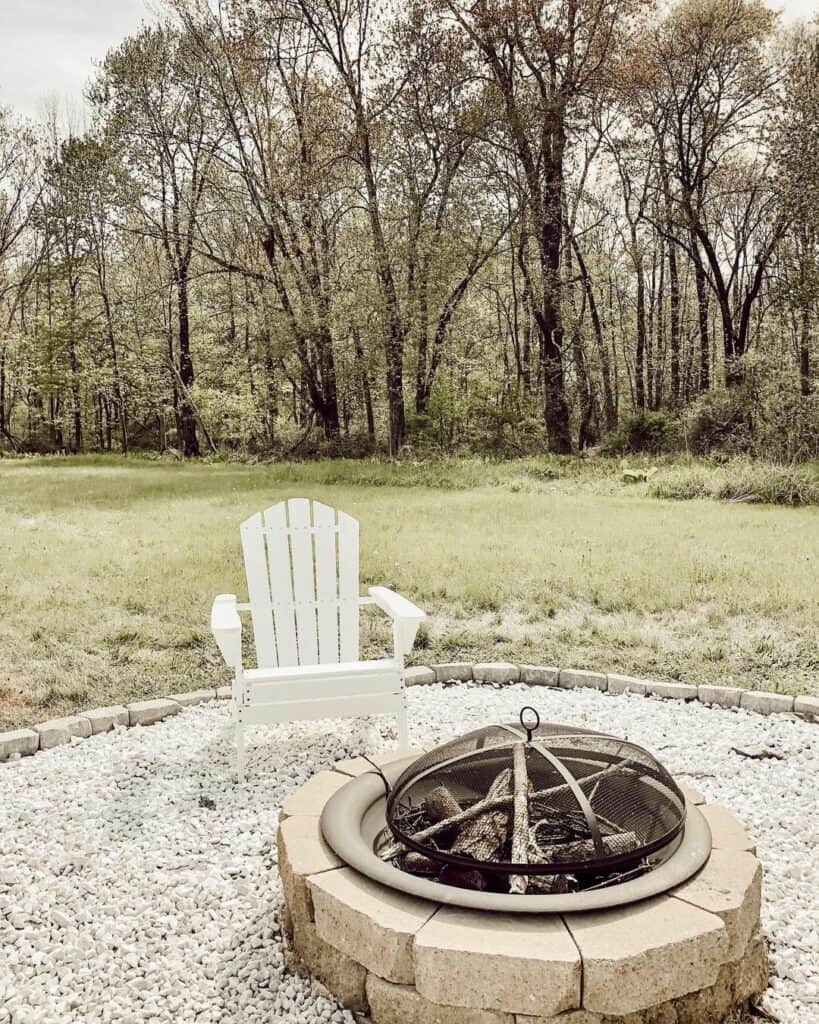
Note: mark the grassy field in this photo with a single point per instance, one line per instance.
(108, 567)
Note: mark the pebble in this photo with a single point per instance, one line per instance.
(127, 897)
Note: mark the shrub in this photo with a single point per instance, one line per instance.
(644, 432)
(771, 484)
(720, 421)
(743, 480)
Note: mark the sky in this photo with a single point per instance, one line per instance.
(48, 47)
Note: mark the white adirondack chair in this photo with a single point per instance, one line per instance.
(301, 561)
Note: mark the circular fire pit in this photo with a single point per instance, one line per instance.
(685, 948)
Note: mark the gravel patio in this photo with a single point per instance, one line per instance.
(137, 883)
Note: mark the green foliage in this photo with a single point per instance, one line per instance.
(645, 432)
(720, 421)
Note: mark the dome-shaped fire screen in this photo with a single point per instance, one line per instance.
(526, 800)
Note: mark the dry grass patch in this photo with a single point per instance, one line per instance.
(109, 568)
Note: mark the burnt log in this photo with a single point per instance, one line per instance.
(440, 804)
(562, 853)
(483, 838)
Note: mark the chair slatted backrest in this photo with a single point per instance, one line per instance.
(301, 561)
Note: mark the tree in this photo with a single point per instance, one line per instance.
(151, 96)
(20, 190)
(546, 60)
(715, 87)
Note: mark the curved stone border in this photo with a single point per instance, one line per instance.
(58, 731)
(499, 672)
(692, 954)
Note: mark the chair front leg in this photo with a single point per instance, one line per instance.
(238, 715)
(403, 727)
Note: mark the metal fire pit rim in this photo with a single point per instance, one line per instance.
(341, 825)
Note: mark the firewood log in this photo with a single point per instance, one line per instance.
(463, 878)
(561, 853)
(418, 864)
(520, 825)
(440, 804)
(484, 837)
(547, 885)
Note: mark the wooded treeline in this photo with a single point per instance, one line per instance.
(506, 224)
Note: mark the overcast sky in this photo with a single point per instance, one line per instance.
(48, 47)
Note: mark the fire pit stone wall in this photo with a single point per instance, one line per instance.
(691, 956)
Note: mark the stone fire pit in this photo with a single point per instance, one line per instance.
(692, 955)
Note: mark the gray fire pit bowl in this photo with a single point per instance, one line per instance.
(356, 813)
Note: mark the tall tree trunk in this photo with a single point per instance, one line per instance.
(640, 350)
(609, 399)
(701, 285)
(187, 415)
(550, 319)
(74, 364)
(674, 316)
(804, 352)
(271, 391)
(116, 381)
(365, 384)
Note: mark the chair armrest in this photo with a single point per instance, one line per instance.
(227, 628)
(406, 617)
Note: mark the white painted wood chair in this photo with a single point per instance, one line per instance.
(301, 561)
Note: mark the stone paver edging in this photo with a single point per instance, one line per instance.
(692, 954)
(58, 731)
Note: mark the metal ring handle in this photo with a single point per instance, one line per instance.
(523, 724)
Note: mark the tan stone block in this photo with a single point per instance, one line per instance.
(148, 712)
(752, 970)
(104, 719)
(724, 696)
(496, 672)
(709, 1005)
(302, 852)
(419, 675)
(539, 675)
(626, 684)
(403, 1004)
(638, 956)
(369, 922)
(671, 691)
(691, 794)
(459, 671)
(190, 697)
(807, 706)
(726, 832)
(573, 677)
(19, 741)
(224, 692)
(513, 963)
(313, 795)
(58, 731)
(766, 703)
(286, 920)
(342, 975)
(730, 886)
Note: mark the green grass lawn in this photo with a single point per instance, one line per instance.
(109, 567)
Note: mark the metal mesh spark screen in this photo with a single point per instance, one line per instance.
(549, 800)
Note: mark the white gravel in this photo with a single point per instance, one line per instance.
(138, 884)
